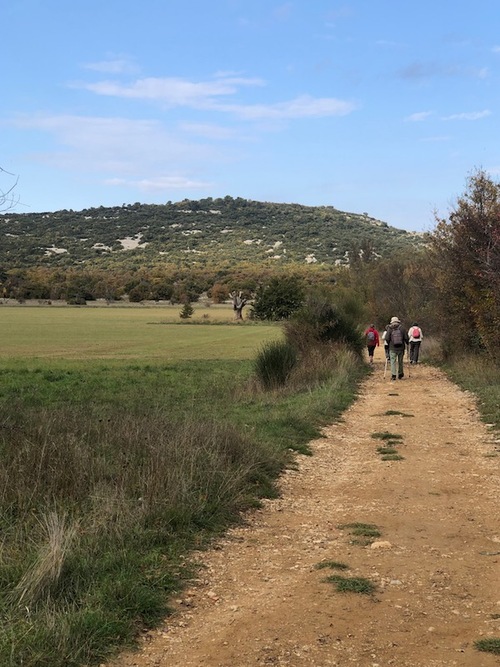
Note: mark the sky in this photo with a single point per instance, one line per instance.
(381, 107)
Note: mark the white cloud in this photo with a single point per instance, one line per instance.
(117, 146)
(120, 65)
(160, 183)
(173, 91)
(473, 115)
(300, 107)
(208, 95)
(419, 116)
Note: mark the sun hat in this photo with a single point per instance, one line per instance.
(395, 320)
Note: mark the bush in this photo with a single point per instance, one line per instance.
(278, 300)
(274, 363)
(319, 322)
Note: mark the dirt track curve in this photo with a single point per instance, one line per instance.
(261, 600)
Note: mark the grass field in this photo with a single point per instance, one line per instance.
(128, 333)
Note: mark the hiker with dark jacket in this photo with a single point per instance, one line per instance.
(372, 341)
(397, 338)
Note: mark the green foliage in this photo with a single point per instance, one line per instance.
(279, 299)
(488, 645)
(193, 233)
(274, 363)
(187, 311)
(331, 565)
(351, 584)
(320, 321)
(361, 529)
(466, 248)
(386, 435)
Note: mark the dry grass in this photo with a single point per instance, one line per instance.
(43, 575)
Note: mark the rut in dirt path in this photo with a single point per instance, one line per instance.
(261, 598)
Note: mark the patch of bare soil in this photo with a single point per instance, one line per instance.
(261, 600)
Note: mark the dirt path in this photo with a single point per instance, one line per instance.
(261, 599)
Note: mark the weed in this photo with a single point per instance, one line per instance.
(396, 413)
(392, 457)
(490, 645)
(351, 584)
(364, 530)
(331, 565)
(387, 450)
(386, 435)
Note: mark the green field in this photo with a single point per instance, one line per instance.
(128, 333)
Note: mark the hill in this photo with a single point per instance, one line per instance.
(205, 232)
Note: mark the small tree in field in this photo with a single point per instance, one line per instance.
(187, 311)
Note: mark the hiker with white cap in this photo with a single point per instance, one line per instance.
(397, 338)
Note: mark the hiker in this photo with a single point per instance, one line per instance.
(397, 338)
(386, 343)
(415, 334)
(372, 341)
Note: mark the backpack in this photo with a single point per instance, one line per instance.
(415, 333)
(370, 337)
(397, 337)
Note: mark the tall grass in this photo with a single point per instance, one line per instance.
(274, 363)
(110, 474)
(480, 375)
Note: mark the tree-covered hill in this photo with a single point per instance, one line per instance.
(194, 233)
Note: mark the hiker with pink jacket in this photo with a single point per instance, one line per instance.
(415, 334)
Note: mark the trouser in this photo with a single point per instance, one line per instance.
(371, 350)
(396, 357)
(386, 350)
(414, 351)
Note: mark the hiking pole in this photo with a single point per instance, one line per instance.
(385, 368)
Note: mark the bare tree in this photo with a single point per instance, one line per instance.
(239, 302)
(8, 198)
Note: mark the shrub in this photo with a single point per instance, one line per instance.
(274, 363)
(278, 300)
(319, 322)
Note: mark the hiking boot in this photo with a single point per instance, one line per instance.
(393, 377)
(401, 376)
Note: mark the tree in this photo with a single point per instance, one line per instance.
(239, 302)
(279, 299)
(466, 249)
(187, 311)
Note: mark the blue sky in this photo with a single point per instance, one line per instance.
(384, 107)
